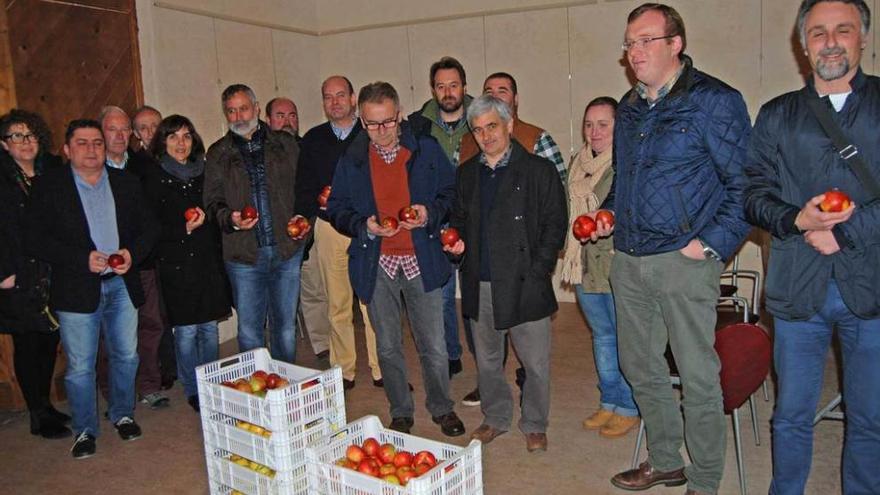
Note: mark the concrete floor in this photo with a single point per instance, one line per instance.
(169, 458)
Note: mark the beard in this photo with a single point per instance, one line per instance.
(830, 72)
(450, 104)
(243, 128)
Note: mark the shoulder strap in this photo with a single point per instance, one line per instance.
(848, 152)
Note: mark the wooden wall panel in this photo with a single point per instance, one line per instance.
(70, 59)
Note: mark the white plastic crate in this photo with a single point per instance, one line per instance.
(459, 470)
(283, 450)
(311, 395)
(225, 475)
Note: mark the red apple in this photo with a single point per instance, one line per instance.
(449, 236)
(408, 213)
(115, 261)
(835, 201)
(367, 467)
(389, 223)
(403, 458)
(583, 227)
(272, 380)
(421, 469)
(260, 374)
(257, 384)
(425, 457)
(386, 469)
(281, 383)
(191, 214)
(371, 447)
(386, 453)
(243, 385)
(303, 223)
(324, 196)
(355, 454)
(404, 474)
(248, 213)
(294, 230)
(605, 216)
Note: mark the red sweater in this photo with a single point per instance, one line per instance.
(391, 190)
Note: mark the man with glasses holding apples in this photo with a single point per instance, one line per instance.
(679, 148)
(385, 172)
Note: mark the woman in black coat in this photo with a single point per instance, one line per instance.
(25, 142)
(191, 273)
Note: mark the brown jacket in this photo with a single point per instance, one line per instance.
(526, 134)
(228, 189)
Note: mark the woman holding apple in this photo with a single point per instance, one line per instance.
(587, 268)
(25, 142)
(191, 272)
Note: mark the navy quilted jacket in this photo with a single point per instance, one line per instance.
(679, 168)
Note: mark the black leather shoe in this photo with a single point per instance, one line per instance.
(454, 367)
(347, 384)
(128, 429)
(167, 382)
(83, 446)
(403, 424)
(58, 415)
(193, 401)
(450, 425)
(378, 383)
(47, 426)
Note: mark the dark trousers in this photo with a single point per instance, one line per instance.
(34, 357)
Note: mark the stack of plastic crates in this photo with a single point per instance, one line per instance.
(459, 470)
(256, 445)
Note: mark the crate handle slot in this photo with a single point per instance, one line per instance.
(230, 362)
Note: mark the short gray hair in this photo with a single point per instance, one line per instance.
(107, 110)
(486, 103)
(807, 6)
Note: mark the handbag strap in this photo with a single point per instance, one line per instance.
(847, 151)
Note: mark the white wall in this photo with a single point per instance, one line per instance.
(562, 53)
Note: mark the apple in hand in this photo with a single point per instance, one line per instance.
(389, 223)
(408, 214)
(583, 227)
(191, 214)
(449, 236)
(324, 196)
(248, 213)
(835, 201)
(605, 216)
(115, 261)
(298, 227)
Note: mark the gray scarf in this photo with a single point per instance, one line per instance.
(184, 172)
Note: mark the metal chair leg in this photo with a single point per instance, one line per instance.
(754, 410)
(827, 411)
(737, 442)
(636, 451)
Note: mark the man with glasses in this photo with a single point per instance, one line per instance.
(325, 274)
(679, 148)
(382, 172)
(823, 274)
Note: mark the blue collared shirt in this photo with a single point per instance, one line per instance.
(121, 165)
(341, 132)
(100, 209)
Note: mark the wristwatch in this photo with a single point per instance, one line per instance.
(708, 252)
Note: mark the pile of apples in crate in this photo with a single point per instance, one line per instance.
(253, 466)
(384, 461)
(259, 383)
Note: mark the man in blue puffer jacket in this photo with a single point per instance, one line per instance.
(679, 146)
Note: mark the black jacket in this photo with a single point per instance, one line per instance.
(58, 232)
(529, 222)
(792, 160)
(194, 283)
(320, 151)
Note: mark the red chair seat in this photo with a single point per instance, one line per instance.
(745, 351)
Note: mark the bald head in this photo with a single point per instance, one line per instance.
(283, 115)
(339, 100)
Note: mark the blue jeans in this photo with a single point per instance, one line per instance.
(80, 332)
(426, 323)
(267, 289)
(194, 345)
(615, 393)
(450, 319)
(800, 349)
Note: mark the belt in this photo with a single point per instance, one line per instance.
(108, 276)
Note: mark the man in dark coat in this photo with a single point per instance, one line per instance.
(385, 170)
(823, 273)
(511, 212)
(91, 224)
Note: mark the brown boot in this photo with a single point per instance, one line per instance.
(645, 476)
(619, 426)
(598, 419)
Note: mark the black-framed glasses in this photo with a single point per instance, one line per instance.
(18, 138)
(642, 43)
(385, 124)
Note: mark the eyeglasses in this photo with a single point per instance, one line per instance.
(19, 138)
(385, 124)
(642, 43)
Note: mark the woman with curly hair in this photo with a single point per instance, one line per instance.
(25, 140)
(191, 271)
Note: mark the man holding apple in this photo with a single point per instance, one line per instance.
(679, 147)
(823, 271)
(391, 263)
(81, 217)
(511, 213)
